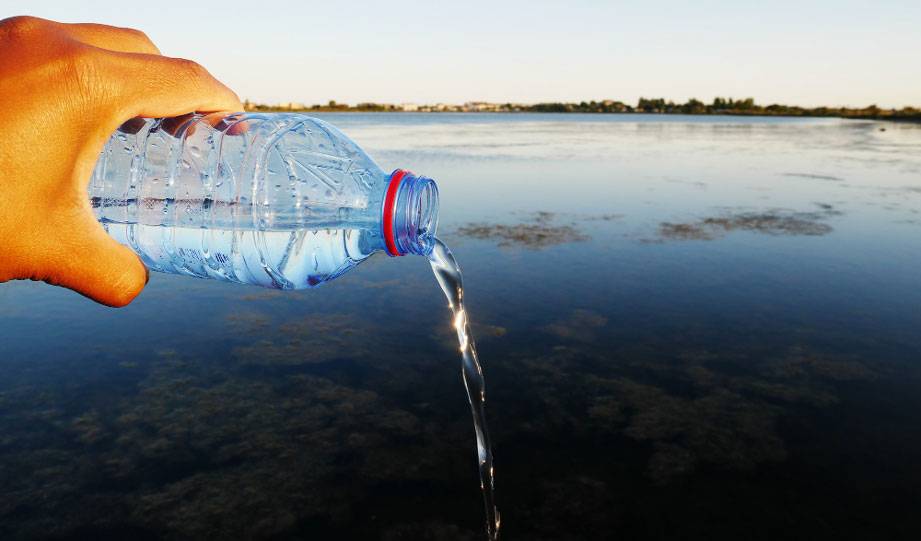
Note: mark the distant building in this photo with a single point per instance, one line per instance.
(409, 107)
(481, 106)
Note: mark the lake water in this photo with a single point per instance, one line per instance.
(691, 328)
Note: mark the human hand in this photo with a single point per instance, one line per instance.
(65, 89)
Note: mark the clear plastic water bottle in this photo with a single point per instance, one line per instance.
(279, 200)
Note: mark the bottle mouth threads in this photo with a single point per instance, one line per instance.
(410, 214)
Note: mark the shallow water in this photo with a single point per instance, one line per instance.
(695, 328)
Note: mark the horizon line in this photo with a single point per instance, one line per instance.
(693, 106)
(606, 101)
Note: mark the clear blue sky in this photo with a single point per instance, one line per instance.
(797, 52)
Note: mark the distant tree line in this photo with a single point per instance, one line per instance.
(723, 106)
(331, 106)
(719, 106)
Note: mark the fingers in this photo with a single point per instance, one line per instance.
(112, 38)
(143, 85)
(232, 124)
(160, 86)
(93, 264)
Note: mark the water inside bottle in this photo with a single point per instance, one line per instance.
(285, 259)
(449, 277)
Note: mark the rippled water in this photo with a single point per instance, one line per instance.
(691, 327)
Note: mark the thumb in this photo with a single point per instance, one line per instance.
(93, 264)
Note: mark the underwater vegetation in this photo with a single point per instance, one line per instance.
(538, 231)
(769, 222)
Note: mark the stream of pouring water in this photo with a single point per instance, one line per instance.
(451, 281)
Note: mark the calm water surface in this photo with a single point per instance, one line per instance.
(691, 328)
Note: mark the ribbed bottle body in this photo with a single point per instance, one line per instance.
(279, 200)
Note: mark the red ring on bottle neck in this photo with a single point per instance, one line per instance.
(390, 203)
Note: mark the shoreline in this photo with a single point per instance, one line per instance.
(911, 119)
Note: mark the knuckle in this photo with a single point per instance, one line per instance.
(21, 27)
(85, 69)
(139, 35)
(136, 33)
(82, 63)
(190, 68)
(22, 23)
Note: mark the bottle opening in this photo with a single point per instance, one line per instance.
(410, 214)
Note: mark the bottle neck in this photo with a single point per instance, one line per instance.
(409, 214)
